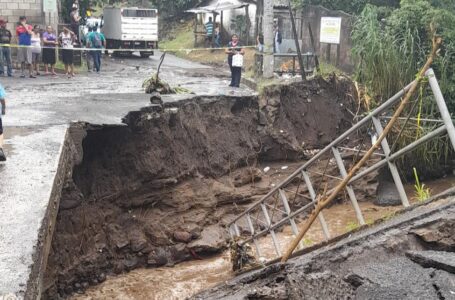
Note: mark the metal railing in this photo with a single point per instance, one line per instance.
(275, 210)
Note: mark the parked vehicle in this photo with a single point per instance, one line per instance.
(91, 22)
(131, 28)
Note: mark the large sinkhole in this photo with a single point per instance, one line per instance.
(160, 189)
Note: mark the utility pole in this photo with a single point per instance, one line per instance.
(267, 30)
(297, 45)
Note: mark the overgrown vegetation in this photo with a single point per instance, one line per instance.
(389, 47)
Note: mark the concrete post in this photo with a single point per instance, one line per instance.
(267, 30)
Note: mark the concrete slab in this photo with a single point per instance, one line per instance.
(27, 182)
(39, 112)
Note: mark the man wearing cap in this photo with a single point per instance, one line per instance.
(24, 52)
(5, 51)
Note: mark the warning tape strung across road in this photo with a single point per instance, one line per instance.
(188, 50)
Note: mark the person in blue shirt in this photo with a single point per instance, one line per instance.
(96, 40)
(2, 112)
(209, 27)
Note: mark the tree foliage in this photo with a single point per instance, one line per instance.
(350, 6)
(174, 7)
(389, 51)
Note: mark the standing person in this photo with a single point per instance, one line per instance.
(2, 112)
(217, 36)
(234, 48)
(260, 42)
(36, 48)
(49, 57)
(24, 33)
(277, 40)
(88, 55)
(5, 52)
(209, 31)
(75, 18)
(96, 40)
(66, 40)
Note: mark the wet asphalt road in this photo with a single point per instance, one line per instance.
(39, 112)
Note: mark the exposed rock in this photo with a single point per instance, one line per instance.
(213, 239)
(387, 194)
(117, 236)
(130, 263)
(179, 253)
(183, 236)
(246, 176)
(157, 258)
(138, 241)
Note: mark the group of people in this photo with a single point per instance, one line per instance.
(35, 45)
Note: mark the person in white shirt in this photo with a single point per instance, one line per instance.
(36, 48)
(66, 39)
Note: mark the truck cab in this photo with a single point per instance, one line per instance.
(131, 28)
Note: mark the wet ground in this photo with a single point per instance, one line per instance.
(189, 278)
(38, 114)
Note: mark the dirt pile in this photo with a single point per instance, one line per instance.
(160, 190)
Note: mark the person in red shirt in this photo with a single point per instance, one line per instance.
(24, 52)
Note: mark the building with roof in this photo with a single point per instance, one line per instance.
(242, 17)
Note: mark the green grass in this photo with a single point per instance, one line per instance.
(421, 192)
(183, 39)
(352, 225)
(328, 69)
(307, 242)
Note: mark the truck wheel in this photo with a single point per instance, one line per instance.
(145, 54)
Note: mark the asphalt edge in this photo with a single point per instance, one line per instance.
(34, 286)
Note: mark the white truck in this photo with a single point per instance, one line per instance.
(131, 28)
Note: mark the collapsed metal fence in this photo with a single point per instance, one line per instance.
(293, 198)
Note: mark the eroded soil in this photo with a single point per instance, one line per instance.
(159, 190)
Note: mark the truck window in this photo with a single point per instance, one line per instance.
(139, 13)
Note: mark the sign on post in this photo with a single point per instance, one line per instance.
(330, 30)
(49, 6)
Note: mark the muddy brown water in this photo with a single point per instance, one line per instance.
(189, 278)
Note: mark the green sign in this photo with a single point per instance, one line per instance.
(49, 6)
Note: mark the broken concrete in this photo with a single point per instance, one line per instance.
(440, 260)
(370, 264)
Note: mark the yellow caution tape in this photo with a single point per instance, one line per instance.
(188, 50)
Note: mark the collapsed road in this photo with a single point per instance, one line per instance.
(156, 189)
(39, 153)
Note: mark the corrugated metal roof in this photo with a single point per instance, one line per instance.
(219, 5)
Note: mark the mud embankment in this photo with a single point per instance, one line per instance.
(160, 190)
